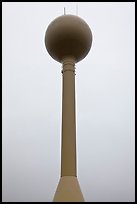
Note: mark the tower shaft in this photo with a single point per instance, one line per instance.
(68, 150)
(68, 189)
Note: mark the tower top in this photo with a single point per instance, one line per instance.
(68, 36)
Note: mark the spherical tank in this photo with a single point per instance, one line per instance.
(68, 35)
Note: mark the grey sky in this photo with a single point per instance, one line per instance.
(32, 87)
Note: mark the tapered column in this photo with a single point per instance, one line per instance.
(68, 150)
(68, 189)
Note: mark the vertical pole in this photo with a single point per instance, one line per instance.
(68, 189)
(68, 150)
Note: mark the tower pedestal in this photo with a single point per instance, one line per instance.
(68, 190)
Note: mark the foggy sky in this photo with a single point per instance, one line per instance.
(31, 103)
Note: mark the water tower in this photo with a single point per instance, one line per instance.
(68, 40)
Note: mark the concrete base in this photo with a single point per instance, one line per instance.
(68, 190)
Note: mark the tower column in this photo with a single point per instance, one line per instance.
(68, 150)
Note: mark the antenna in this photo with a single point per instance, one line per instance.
(77, 9)
(64, 11)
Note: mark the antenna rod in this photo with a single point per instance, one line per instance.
(77, 9)
(64, 11)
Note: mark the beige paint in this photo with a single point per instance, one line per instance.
(68, 40)
(68, 154)
(68, 190)
(68, 35)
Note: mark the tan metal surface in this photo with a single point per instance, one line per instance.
(68, 154)
(68, 40)
(68, 190)
(68, 35)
